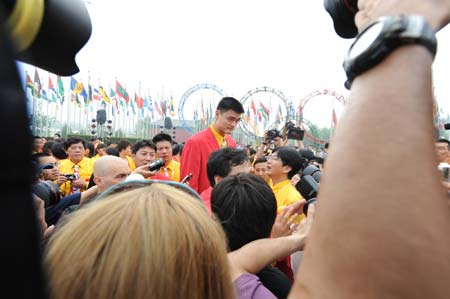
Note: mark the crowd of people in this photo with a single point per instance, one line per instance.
(215, 221)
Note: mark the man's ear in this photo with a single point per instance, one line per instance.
(287, 169)
(217, 178)
(98, 180)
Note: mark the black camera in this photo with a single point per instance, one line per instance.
(70, 176)
(293, 132)
(343, 14)
(272, 134)
(155, 165)
(308, 186)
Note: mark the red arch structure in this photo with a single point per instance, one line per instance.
(299, 113)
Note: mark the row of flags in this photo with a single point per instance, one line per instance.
(120, 101)
(261, 113)
(118, 98)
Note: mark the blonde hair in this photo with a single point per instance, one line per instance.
(152, 242)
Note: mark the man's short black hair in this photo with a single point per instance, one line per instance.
(229, 103)
(36, 156)
(161, 137)
(123, 144)
(143, 143)
(262, 159)
(289, 157)
(74, 140)
(220, 162)
(246, 207)
(443, 140)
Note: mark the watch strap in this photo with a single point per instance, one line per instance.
(397, 31)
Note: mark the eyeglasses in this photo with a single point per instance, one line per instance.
(135, 184)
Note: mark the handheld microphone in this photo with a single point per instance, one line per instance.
(155, 165)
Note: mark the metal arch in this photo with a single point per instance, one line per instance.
(302, 122)
(187, 94)
(316, 93)
(288, 104)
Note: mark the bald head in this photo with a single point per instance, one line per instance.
(110, 170)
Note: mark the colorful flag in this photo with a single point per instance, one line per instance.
(139, 101)
(95, 95)
(104, 96)
(51, 90)
(60, 89)
(121, 92)
(37, 84)
(73, 88)
(259, 116)
(30, 83)
(158, 109)
(280, 113)
(44, 95)
(253, 107)
(112, 96)
(172, 106)
(264, 111)
(334, 120)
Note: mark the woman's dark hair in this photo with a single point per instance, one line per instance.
(47, 148)
(58, 151)
(91, 147)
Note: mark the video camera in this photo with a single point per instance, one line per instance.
(343, 14)
(289, 130)
(293, 132)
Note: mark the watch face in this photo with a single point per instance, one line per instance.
(365, 40)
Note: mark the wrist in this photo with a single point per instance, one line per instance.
(298, 241)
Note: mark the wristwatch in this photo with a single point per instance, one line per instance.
(383, 36)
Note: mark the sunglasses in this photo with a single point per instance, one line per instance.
(135, 184)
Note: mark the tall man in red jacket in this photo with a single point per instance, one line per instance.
(197, 149)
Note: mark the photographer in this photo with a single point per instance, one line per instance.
(275, 138)
(391, 240)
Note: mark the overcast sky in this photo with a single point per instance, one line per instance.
(169, 46)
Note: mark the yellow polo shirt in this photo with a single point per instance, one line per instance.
(172, 170)
(85, 169)
(131, 163)
(221, 140)
(285, 194)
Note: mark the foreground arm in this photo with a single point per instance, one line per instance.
(383, 225)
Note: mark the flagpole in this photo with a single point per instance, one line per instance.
(62, 106)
